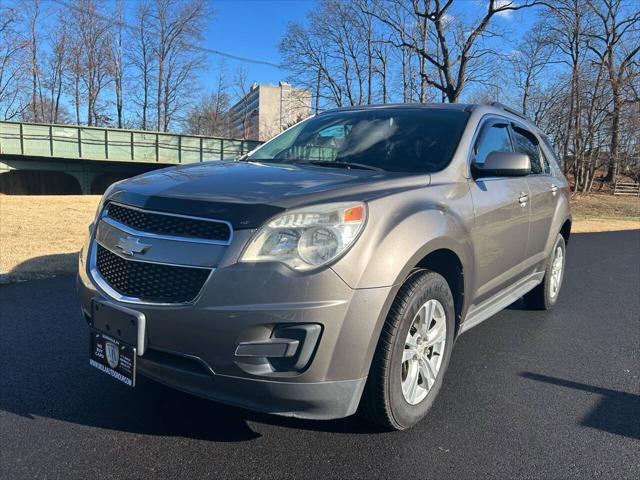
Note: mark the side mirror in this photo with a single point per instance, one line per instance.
(503, 164)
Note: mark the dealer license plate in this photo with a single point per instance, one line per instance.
(113, 357)
(117, 338)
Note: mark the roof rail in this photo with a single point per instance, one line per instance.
(509, 109)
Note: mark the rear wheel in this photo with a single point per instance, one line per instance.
(545, 295)
(412, 354)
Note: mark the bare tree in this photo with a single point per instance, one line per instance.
(176, 25)
(56, 70)
(242, 88)
(143, 61)
(457, 47)
(32, 14)
(91, 42)
(608, 42)
(569, 26)
(210, 116)
(13, 57)
(529, 62)
(307, 57)
(117, 58)
(334, 55)
(75, 71)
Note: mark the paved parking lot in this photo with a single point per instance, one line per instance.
(527, 395)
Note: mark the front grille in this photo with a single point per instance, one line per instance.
(150, 282)
(163, 224)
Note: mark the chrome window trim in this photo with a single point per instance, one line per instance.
(107, 290)
(104, 216)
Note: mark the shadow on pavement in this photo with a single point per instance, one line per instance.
(44, 266)
(617, 412)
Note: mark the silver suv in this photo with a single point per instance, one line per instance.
(332, 268)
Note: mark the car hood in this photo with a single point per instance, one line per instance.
(246, 194)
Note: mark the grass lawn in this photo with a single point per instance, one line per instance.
(603, 213)
(41, 235)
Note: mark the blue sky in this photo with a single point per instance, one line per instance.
(253, 28)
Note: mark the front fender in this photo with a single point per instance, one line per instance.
(399, 234)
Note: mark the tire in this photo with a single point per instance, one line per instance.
(546, 294)
(385, 398)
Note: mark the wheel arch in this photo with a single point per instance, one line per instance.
(447, 263)
(441, 255)
(565, 231)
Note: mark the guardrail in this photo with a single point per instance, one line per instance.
(626, 188)
(111, 144)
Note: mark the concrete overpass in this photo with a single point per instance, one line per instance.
(47, 158)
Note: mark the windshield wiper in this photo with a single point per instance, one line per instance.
(348, 165)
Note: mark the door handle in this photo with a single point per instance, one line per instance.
(554, 189)
(523, 199)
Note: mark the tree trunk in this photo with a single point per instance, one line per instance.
(159, 99)
(76, 92)
(615, 136)
(369, 61)
(317, 103)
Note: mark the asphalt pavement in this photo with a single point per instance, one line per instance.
(527, 395)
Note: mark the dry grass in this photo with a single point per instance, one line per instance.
(41, 235)
(605, 213)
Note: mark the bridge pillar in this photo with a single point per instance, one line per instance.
(85, 177)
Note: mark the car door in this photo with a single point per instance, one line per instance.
(501, 211)
(542, 195)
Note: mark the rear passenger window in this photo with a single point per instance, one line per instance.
(525, 142)
(493, 138)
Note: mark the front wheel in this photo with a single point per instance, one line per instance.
(545, 295)
(412, 354)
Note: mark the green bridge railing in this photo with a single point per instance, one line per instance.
(115, 145)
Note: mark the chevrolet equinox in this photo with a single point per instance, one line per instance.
(332, 268)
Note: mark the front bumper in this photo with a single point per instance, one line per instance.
(193, 347)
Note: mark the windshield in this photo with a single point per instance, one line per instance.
(396, 140)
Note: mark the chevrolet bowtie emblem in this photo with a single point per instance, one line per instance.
(131, 245)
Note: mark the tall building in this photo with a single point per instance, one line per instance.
(269, 109)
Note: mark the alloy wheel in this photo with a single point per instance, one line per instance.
(556, 272)
(423, 351)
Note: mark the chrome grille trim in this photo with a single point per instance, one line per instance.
(104, 286)
(104, 216)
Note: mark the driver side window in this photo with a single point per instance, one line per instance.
(493, 137)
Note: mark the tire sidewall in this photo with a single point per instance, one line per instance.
(434, 287)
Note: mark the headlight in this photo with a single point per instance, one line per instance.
(308, 237)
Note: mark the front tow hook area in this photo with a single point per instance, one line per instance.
(289, 349)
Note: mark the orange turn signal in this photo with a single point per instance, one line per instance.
(354, 214)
